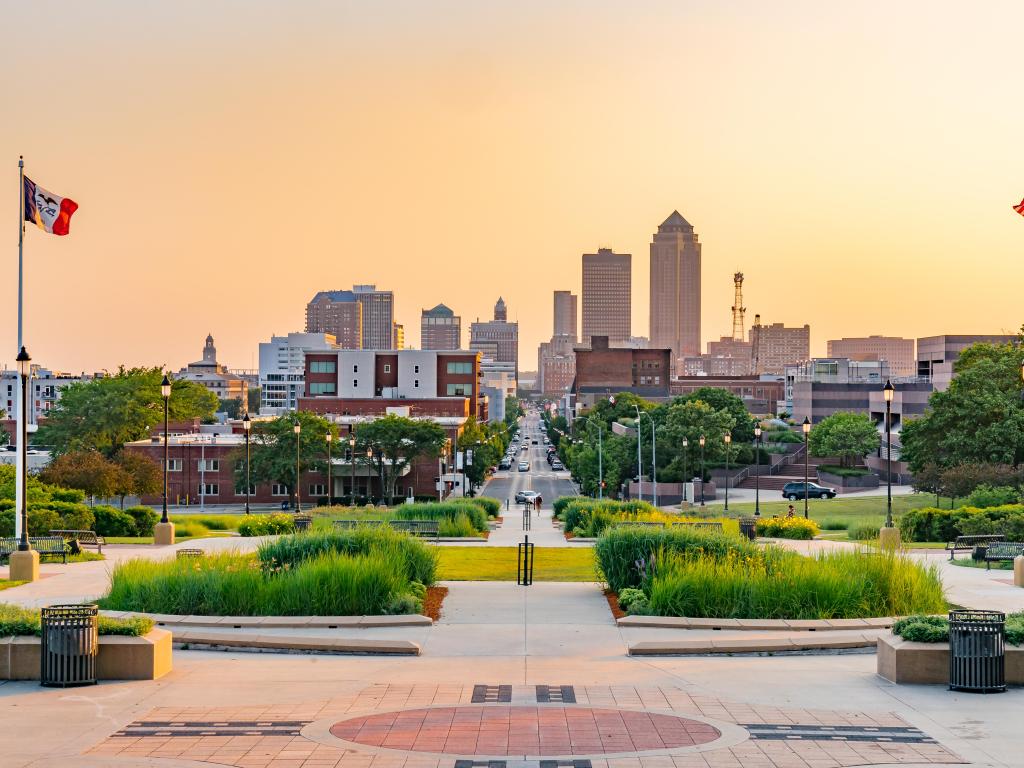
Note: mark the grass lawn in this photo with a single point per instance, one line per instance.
(149, 539)
(7, 584)
(969, 562)
(839, 507)
(499, 564)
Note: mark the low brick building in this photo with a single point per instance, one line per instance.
(602, 370)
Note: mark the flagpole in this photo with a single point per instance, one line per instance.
(20, 467)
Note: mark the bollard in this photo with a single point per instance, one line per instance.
(526, 516)
(524, 563)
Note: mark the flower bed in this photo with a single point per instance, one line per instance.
(787, 528)
(362, 572)
(590, 518)
(935, 629)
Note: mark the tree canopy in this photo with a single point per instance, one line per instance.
(724, 400)
(396, 442)
(105, 413)
(850, 436)
(979, 419)
(273, 449)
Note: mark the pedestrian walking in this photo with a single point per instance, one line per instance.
(791, 512)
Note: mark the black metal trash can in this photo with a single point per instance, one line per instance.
(302, 523)
(70, 644)
(748, 527)
(977, 645)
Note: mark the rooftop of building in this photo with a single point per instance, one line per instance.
(674, 220)
(335, 296)
(441, 310)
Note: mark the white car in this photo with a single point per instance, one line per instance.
(524, 466)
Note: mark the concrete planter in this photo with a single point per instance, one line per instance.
(843, 484)
(120, 658)
(901, 661)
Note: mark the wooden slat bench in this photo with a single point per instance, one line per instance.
(639, 523)
(968, 543)
(1002, 551)
(347, 524)
(80, 537)
(716, 526)
(427, 528)
(44, 545)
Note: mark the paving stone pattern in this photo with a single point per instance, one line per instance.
(265, 736)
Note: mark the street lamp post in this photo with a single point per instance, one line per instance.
(701, 441)
(757, 477)
(369, 466)
(247, 428)
(639, 458)
(888, 391)
(654, 461)
(806, 426)
(163, 532)
(352, 460)
(686, 444)
(330, 488)
(24, 563)
(728, 445)
(297, 428)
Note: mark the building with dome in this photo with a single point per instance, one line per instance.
(216, 377)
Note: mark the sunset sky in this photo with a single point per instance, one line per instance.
(857, 161)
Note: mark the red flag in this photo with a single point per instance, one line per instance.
(1019, 208)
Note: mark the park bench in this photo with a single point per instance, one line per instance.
(185, 552)
(968, 543)
(77, 538)
(1002, 551)
(429, 528)
(716, 526)
(44, 545)
(347, 524)
(645, 523)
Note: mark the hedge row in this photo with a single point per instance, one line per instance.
(932, 524)
(44, 517)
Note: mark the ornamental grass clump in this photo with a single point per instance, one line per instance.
(773, 583)
(454, 512)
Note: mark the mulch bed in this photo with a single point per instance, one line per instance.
(432, 603)
(613, 604)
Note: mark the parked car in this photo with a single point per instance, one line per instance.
(534, 441)
(522, 496)
(794, 491)
(557, 465)
(505, 464)
(524, 466)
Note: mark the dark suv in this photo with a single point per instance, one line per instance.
(794, 491)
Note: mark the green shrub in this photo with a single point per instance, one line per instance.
(620, 549)
(835, 469)
(834, 524)
(935, 629)
(442, 511)
(988, 496)
(932, 524)
(330, 584)
(864, 532)
(42, 521)
(778, 584)
(420, 560)
(491, 507)
(189, 529)
(267, 525)
(71, 495)
(559, 504)
(591, 516)
(17, 621)
(144, 518)
(111, 521)
(80, 518)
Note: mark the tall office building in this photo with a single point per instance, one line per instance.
(378, 316)
(440, 328)
(675, 287)
(565, 314)
(496, 339)
(339, 314)
(607, 288)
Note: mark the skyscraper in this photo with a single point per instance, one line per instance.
(440, 328)
(378, 316)
(496, 339)
(339, 314)
(565, 314)
(607, 288)
(675, 287)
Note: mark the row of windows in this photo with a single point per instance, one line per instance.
(323, 366)
(465, 390)
(460, 368)
(322, 388)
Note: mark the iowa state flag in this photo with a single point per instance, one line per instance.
(50, 212)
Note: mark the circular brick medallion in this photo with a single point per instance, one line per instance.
(524, 730)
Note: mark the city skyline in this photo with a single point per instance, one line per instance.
(188, 200)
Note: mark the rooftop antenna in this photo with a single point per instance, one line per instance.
(738, 310)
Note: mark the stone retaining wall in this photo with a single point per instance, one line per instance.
(120, 657)
(901, 661)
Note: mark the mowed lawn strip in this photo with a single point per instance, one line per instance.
(819, 509)
(499, 564)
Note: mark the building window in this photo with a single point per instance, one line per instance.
(460, 368)
(322, 388)
(355, 382)
(174, 465)
(416, 383)
(317, 489)
(387, 367)
(209, 465)
(279, 489)
(355, 369)
(415, 369)
(322, 366)
(241, 491)
(464, 390)
(209, 489)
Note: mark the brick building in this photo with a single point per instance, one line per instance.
(602, 370)
(761, 396)
(339, 314)
(775, 346)
(897, 352)
(440, 328)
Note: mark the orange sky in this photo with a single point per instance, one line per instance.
(858, 163)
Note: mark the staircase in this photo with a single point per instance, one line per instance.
(789, 470)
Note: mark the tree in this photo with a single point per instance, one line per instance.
(231, 407)
(139, 475)
(979, 419)
(253, 400)
(105, 413)
(273, 449)
(487, 448)
(850, 436)
(88, 471)
(396, 442)
(724, 400)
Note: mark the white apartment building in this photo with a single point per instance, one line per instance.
(45, 388)
(283, 367)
